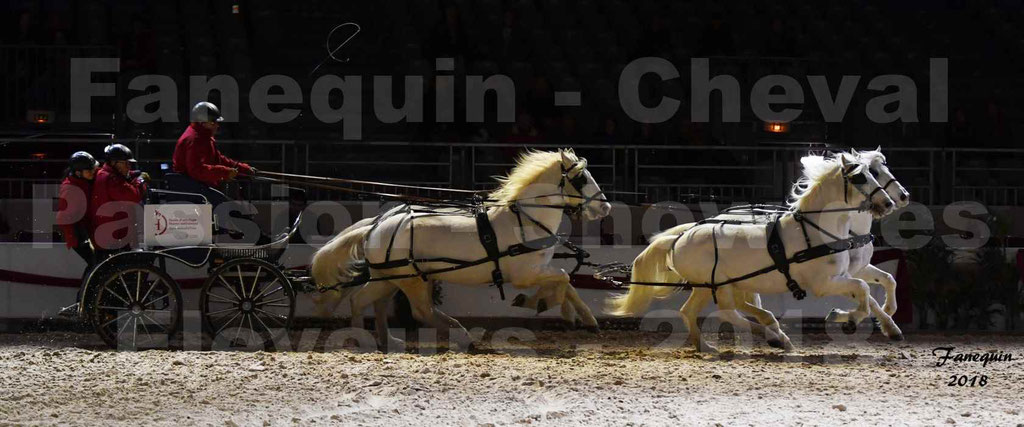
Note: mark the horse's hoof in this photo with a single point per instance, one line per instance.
(594, 329)
(519, 301)
(849, 327)
(788, 346)
(392, 345)
(542, 306)
(707, 348)
(477, 348)
(776, 343)
(896, 337)
(835, 316)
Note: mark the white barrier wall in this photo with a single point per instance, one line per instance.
(37, 279)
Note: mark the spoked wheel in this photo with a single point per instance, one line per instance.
(136, 307)
(247, 303)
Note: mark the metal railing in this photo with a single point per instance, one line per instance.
(677, 173)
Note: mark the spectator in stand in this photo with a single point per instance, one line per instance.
(139, 48)
(994, 131)
(448, 39)
(717, 39)
(609, 134)
(566, 132)
(541, 102)
(655, 40)
(73, 204)
(116, 194)
(780, 42)
(523, 131)
(959, 132)
(515, 44)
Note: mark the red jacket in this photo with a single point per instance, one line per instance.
(197, 157)
(73, 208)
(111, 186)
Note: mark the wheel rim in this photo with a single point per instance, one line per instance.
(247, 302)
(136, 307)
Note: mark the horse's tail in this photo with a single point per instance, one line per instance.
(652, 265)
(339, 258)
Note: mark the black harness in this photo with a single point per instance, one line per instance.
(775, 246)
(486, 233)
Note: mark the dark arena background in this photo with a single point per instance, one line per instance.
(254, 212)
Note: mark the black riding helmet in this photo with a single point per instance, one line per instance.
(204, 112)
(80, 161)
(118, 152)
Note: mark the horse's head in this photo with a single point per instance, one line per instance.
(580, 189)
(875, 162)
(861, 188)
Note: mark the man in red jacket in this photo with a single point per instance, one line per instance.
(116, 196)
(73, 204)
(201, 167)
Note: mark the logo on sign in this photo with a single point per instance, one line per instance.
(161, 223)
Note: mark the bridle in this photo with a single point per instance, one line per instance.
(856, 181)
(576, 183)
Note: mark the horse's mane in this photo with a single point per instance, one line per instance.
(529, 166)
(817, 169)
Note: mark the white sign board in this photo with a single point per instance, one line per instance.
(174, 225)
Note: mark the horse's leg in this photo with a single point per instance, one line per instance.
(885, 321)
(542, 300)
(743, 297)
(849, 287)
(582, 309)
(728, 304)
(368, 294)
(872, 274)
(699, 297)
(380, 319)
(421, 300)
(773, 333)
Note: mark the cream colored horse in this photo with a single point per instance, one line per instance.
(860, 258)
(537, 187)
(828, 183)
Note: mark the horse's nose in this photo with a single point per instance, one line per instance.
(888, 204)
(904, 197)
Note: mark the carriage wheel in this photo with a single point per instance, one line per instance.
(247, 302)
(136, 307)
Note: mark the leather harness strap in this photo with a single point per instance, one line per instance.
(489, 240)
(777, 251)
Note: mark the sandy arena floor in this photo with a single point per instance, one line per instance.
(571, 378)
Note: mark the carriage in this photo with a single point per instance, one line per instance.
(132, 302)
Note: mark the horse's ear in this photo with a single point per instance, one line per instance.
(879, 149)
(842, 162)
(854, 152)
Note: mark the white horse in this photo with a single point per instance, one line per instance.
(860, 257)
(527, 206)
(830, 190)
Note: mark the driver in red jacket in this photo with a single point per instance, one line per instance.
(197, 159)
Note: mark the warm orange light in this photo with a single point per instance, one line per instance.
(776, 127)
(39, 156)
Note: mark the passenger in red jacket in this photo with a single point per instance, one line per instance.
(116, 196)
(73, 204)
(201, 167)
